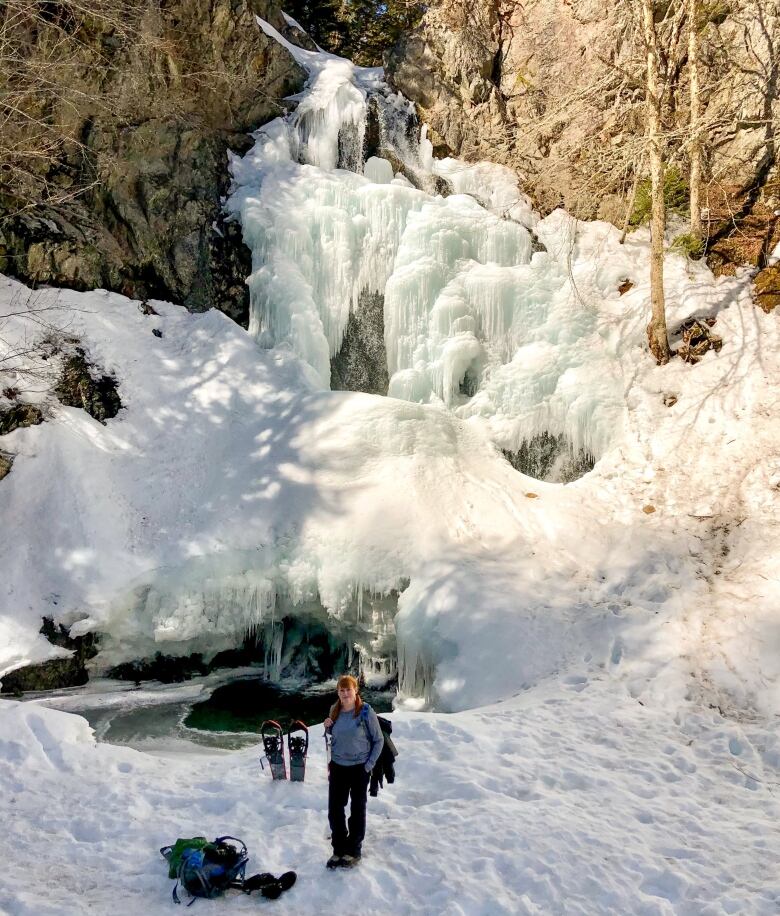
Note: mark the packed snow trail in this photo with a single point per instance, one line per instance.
(570, 800)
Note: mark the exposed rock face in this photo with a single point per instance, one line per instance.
(507, 81)
(15, 417)
(51, 675)
(78, 387)
(18, 416)
(167, 669)
(150, 142)
(6, 463)
(361, 363)
(767, 285)
(447, 69)
(550, 458)
(79, 384)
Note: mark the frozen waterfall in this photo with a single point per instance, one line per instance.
(213, 604)
(255, 508)
(477, 314)
(475, 318)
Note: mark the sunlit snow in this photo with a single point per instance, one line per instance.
(612, 646)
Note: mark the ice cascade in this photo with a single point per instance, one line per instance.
(337, 199)
(215, 603)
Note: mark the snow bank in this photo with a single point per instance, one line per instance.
(574, 799)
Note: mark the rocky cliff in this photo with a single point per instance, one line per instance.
(144, 111)
(554, 88)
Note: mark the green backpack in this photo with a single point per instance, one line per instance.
(174, 853)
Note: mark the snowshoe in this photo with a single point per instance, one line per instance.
(255, 882)
(298, 746)
(273, 745)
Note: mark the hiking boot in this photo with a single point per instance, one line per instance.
(287, 880)
(350, 861)
(257, 882)
(271, 891)
(334, 861)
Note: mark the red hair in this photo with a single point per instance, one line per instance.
(346, 680)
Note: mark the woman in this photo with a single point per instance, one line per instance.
(356, 743)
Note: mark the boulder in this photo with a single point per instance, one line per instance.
(767, 288)
(55, 673)
(18, 416)
(696, 339)
(80, 386)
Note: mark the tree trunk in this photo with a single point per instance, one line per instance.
(693, 67)
(657, 337)
(632, 198)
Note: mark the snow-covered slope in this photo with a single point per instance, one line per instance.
(228, 477)
(573, 800)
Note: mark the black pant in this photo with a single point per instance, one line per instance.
(345, 782)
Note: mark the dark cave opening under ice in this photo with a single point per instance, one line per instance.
(551, 458)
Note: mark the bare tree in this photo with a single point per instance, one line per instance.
(32, 325)
(50, 79)
(657, 336)
(68, 66)
(695, 150)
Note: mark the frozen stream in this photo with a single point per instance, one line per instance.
(219, 711)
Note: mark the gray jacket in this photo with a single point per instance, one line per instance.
(357, 740)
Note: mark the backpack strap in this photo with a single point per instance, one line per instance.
(363, 719)
(176, 896)
(204, 883)
(365, 709)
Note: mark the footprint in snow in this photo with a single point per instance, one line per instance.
(49, 745)
(576, 682)
(665, 884)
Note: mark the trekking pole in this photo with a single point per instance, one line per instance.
(328, 744)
